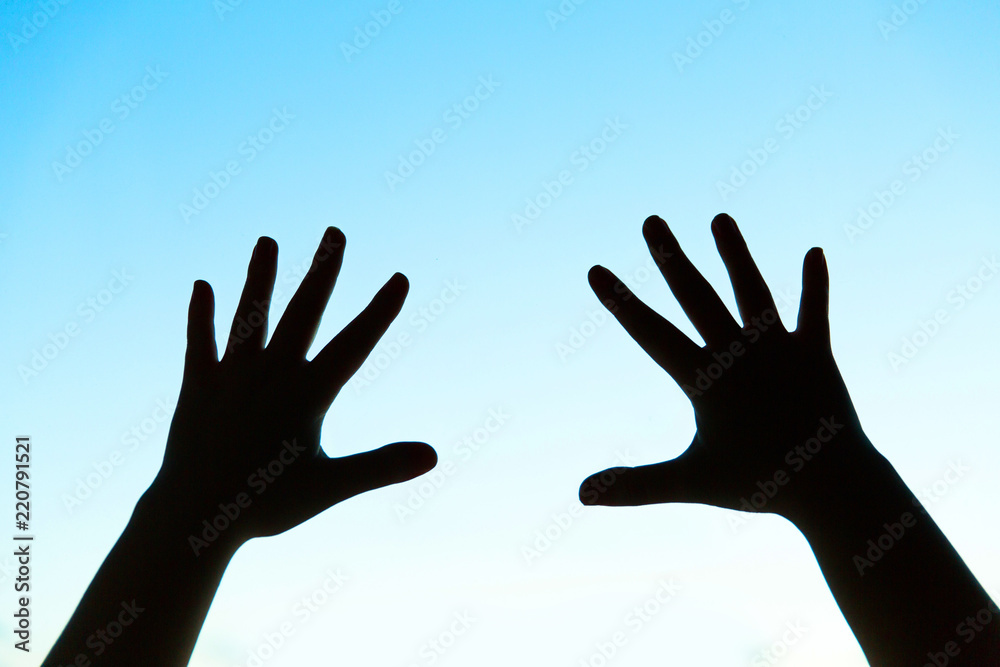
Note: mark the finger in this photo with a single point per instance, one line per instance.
(249, 328)
(201, 350)
(343, 478)
(297, 328)
(700, 302)
(814, 308)
(677, 354)
(753, 297)
(667, 482)
(343, 356)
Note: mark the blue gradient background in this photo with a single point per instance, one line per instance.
(524, 293)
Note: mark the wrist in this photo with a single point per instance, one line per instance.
(184, 531)
(867, 495)
(852, 481)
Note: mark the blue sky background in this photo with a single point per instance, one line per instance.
(225, 70)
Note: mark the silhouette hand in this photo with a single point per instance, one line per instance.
(776, 429)
(245, 436)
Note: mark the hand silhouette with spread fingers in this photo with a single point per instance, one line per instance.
(759, 391)
(777, 432)
(242, 460)
(256, 413)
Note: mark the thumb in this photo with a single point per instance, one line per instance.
(667, 482)
(348, 476)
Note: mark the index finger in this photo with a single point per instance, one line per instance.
(344, 355)
(675, 353)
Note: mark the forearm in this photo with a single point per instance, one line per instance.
(149, 599)
(903, 588)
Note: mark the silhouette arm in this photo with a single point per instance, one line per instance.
(903, 588)
(149, 599)
(242, 460)
(777, 432)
